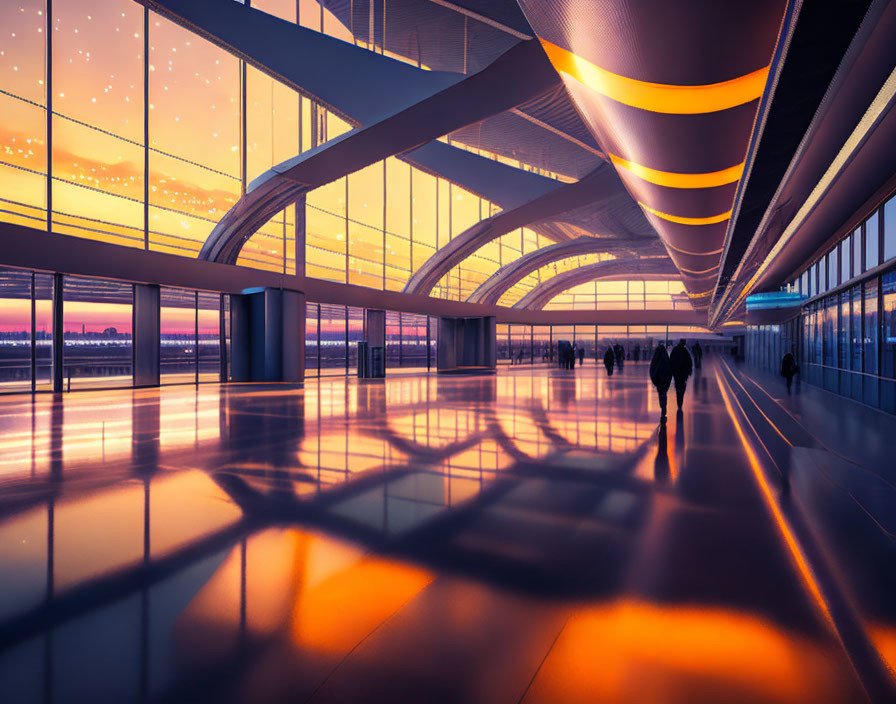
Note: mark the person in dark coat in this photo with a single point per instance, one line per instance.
(788, 369)
(698, 355)
(581, 356)
(619, 353)
(608, 361)
(661, 375)
(682, 366)
(636, 354)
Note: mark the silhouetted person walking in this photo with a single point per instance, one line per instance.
(698, 355)
(619, 353)
(581, 356)
(682, 366)
(636, 354)
(661, 375)
(789, 368)
(608, 361)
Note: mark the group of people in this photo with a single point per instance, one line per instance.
(567, 354)
(677, 366)
(614, 356)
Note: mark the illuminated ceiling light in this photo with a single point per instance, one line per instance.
(679, 180)
(658, 97)
(872, 115)
(711, 220)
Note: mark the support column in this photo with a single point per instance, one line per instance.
(467, 344)
(372, 354)
(268, 335)
(58, 336)
(490, 341)
(147, 335)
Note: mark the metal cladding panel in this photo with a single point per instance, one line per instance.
(687, 42)
(670, 91)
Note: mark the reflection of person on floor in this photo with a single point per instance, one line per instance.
(608, 361)
(682, 366)
(581, 351)
(788, 369)
(698, 355)
(661, 461)
(661, 375)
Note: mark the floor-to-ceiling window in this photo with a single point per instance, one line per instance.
(333, 348)
(97, 325)
(870, 327)
(413, 341)
(15, 330)
(178, 352)
(888, 327)
(208, 335)
(145, 145)
(855, 342)
(312, 340)
(23, 106)
(97, 125)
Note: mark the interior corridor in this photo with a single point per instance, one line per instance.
(531, 536)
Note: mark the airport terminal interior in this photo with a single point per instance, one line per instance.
(447, 351)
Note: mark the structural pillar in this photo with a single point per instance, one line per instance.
(58, 336)
(268, 335)
(467, 344)
(147, 335)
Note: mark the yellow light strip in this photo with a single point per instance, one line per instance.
(695, 254)
(699, 273)
(796, 552)
(673, 179)
(704, 294)
(711, 220)
(658, 97)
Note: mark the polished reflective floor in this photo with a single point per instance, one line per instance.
(534, 536)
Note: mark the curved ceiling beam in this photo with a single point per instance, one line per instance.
(495, 286)
(518, 74)
(671, 92)
(601, 185)
(355, 83)
(359, 85)
(538, 297)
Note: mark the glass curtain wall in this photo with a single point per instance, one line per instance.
(208, 335)
(332, 334)
(622, 295)
(521, 344)
(97, 322)
(147, 143)
(178, 354)
(97, 327)
(355, 323)
(413, 341)
(393, 339)
(846, 342)
(502, 344)
(333, 345)
(16, 331)
(312, 339)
